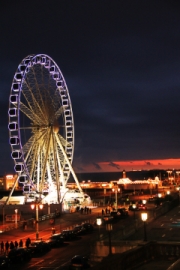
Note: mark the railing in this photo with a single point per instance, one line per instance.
(12, 226)
(142, 254)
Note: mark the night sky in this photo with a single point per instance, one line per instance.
(121, 63)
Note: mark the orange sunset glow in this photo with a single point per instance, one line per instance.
(114, 166)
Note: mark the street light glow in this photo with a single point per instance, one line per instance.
(99, 221)
(144, 216)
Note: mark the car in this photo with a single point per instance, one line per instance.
(138, 207)
(152, 199)
(142, 207)
(83, 229)
(19, 255)
(79, 230)
(120, 213)
(56, 240)
(79, 262)
(39, 247)
(132, 208)
(88, 227)
(123, 211)
(108, 218)
(69, 235)
(4, 262)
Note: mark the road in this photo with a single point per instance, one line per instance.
(165, 228)
(59, 258)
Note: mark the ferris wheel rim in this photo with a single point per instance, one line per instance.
(15, 97)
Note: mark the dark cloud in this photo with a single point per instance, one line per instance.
(113, 164)
(120, 60)
(148, 163)
(97, 166)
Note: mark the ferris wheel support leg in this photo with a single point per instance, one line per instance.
(75, 178)
(12, 190)
(56, 169)
(69, 164)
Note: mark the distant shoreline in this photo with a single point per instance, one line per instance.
(132, 175)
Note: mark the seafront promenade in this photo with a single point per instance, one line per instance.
(123, 249)
(123, 241)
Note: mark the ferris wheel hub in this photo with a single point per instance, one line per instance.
(56, 127)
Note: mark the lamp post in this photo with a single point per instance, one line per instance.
(49, 209)
(99, 222)
(178, 172)
(178, 189)
(109, 229)
(144, 218)
(16, 211)
(36, 206)
(116, 190)
(144, 202)
(134, 209)
(3, 216)
(169, 173)
(168, 195)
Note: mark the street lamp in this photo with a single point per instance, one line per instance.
(16, 211)
(178, 172)
(109, 229)
(169, 172)
(144, 218)
(134, 209)
(3, 215)
(178, 189)
(116, 190)
(144, 202)
(36, 206)
(99, 222)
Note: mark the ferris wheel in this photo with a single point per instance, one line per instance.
(41, 126)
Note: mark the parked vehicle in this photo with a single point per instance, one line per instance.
(39, 247)
(88, 227)
(152, 199)
(123, 211)
(108, 218)
(83, 229)
(69, 235)
(120, 213)
(79, 262)
(142, 207)
(17, 255)
(56, 240)
(79, 230)
(4, 262)
(138, 207)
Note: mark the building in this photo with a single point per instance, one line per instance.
(7, 182)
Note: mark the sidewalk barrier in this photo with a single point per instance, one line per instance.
(29, 222)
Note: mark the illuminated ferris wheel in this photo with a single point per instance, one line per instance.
(41, 126)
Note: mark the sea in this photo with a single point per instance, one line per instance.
(111, 176)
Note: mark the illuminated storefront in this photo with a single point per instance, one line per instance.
(9, 181)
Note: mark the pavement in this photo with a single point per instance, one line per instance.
(66, 221)
(101, 247)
